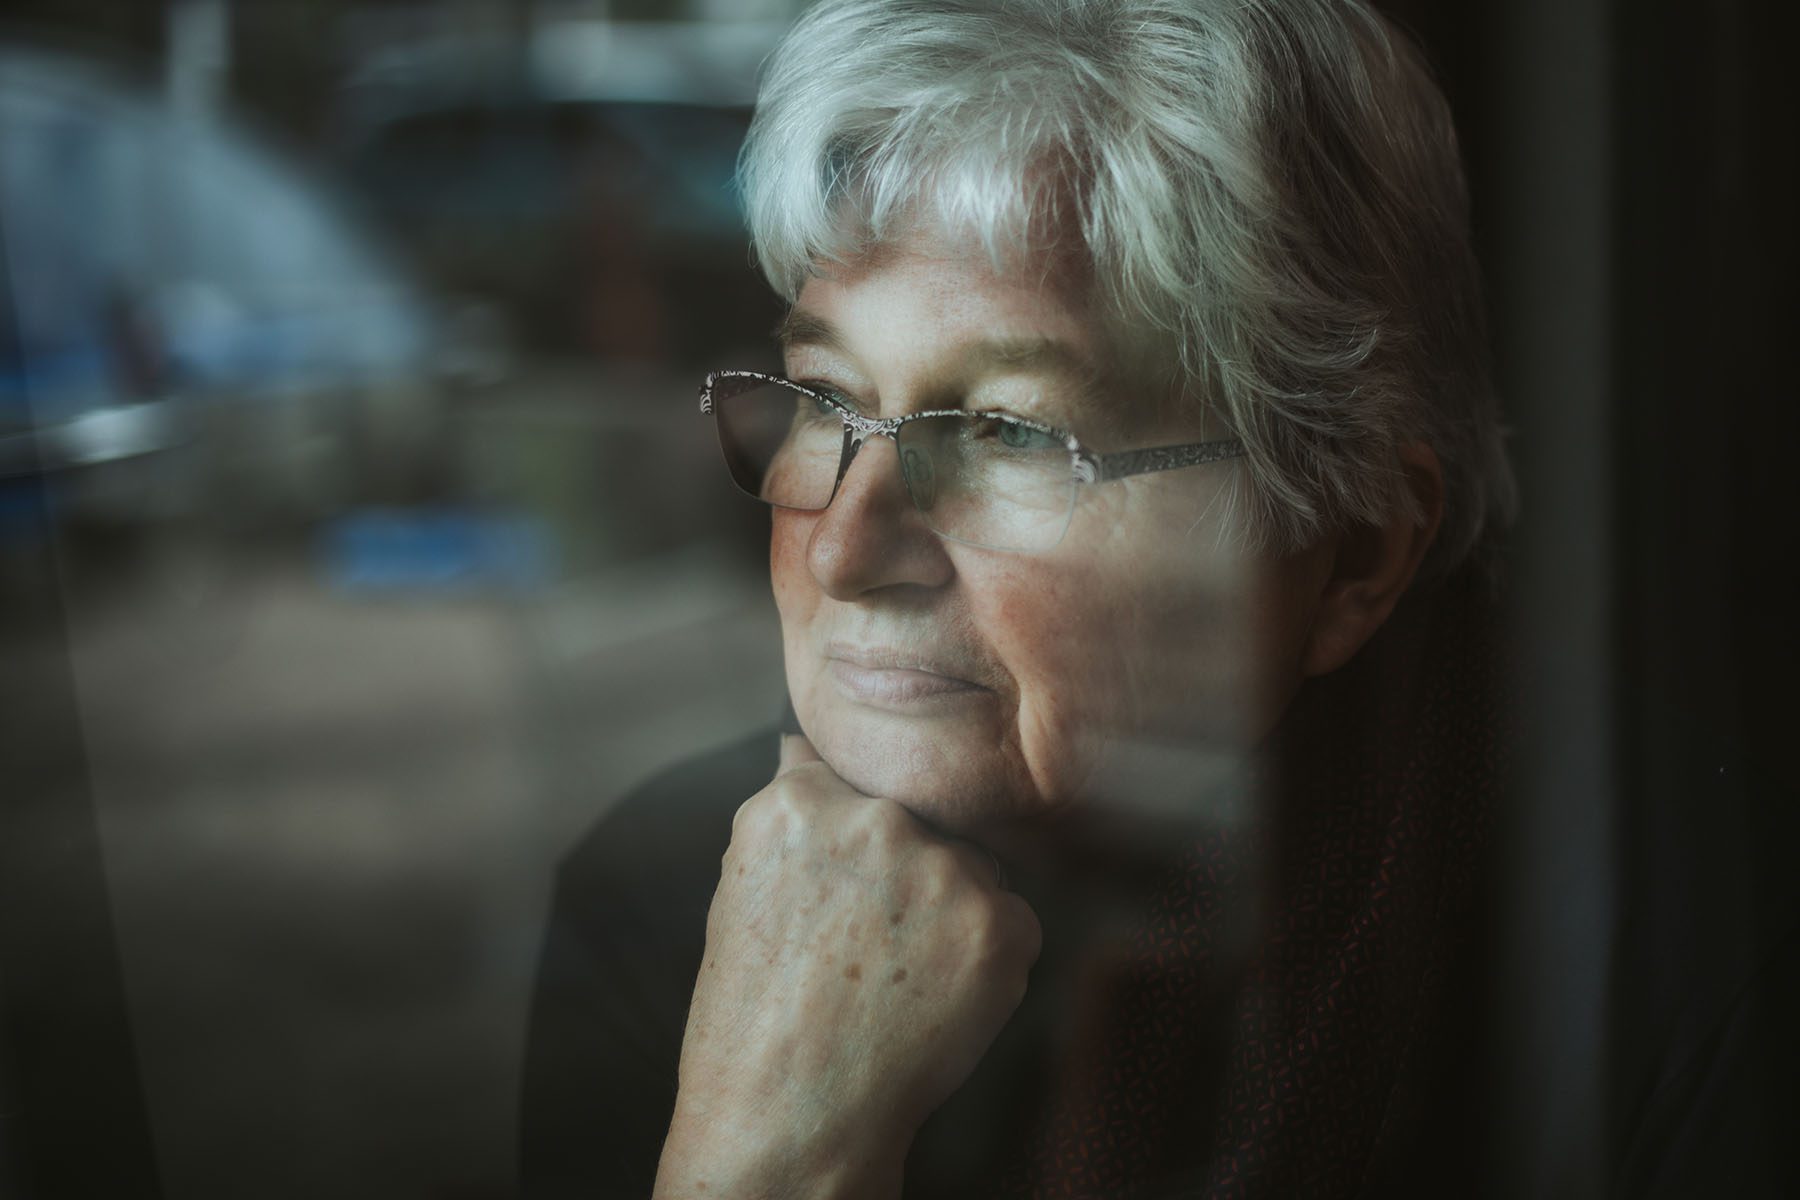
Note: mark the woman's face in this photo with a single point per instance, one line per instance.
(979, 687)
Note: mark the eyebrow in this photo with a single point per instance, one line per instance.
(799, 328)
(1030, 354)
(1027, 353)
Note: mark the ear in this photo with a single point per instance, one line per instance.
(1373, 567)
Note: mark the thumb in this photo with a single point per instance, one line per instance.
(796, 751)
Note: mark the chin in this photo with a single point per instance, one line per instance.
(956, 775)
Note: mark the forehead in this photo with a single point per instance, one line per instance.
(928, 299)
(931, 323)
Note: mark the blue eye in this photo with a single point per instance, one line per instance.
(1015, 436)
(824, 397)
(820, 403)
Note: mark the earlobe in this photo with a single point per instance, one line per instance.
(1373, 567)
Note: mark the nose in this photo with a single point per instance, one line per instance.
(872, 536)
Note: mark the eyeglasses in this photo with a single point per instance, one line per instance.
(983, 478)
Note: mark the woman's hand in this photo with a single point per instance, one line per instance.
(857, 967)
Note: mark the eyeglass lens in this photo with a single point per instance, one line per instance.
(981, 480)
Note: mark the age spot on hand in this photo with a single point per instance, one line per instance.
(899, 976)
(853, 971)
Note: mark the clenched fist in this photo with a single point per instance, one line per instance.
(857, 967)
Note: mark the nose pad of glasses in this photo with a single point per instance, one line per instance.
(921, 476)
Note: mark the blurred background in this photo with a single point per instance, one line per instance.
(360, 541)
(351, 468)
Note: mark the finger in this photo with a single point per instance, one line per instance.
(1025, 918)
(1000, 879)
(795, 751)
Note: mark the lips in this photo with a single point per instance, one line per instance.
(892, 678)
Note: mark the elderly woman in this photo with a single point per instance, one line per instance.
(1132, 470)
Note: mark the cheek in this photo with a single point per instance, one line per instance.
(796, 596)
(1109, 662)
(1042, 625)
(789, 575)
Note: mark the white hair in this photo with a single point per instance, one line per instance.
(1268, 192)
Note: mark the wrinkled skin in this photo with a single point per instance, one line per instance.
(1142, 628)
(860, 958)
(856, 968)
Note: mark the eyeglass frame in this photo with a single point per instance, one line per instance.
(1085, 465)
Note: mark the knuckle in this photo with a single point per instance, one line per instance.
(751, 819)
(1005, 931)
(883, 828)
(887, 818)
(989, 936)
(942, 874)
(771, 814)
